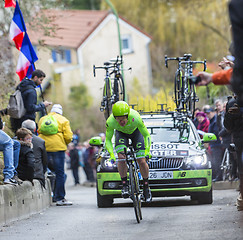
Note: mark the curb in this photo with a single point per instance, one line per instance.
(224, 185)
(22, 201)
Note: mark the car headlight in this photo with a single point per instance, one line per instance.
(106, 164)
(198, 159)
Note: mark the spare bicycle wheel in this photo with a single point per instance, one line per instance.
(119, 88)
(177, 89)
(108, 100)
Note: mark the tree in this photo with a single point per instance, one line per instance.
(85, 4)
(177, 27)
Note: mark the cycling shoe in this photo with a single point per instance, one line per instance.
(125, 191)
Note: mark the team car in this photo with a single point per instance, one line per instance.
(179, 165)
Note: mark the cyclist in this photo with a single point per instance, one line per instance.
(129, 125)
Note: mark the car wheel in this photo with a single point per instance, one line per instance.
(203, 197)
(104, 201)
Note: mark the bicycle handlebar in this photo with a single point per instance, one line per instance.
(196, 62)
(185, 60)
(106, 67)
(186, 57)
(112, 63)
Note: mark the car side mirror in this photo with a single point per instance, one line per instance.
(209, 137)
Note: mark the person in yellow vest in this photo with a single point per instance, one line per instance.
(56, 145)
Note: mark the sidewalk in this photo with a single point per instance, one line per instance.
(21, 201)
(223, 185)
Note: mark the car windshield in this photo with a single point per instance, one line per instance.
(166, 130)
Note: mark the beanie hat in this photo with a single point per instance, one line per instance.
(57, 108)
(201, 114)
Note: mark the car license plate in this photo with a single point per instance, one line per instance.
(161, 175)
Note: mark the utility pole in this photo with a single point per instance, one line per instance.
(119, 40)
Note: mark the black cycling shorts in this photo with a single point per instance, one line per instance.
(122, 141)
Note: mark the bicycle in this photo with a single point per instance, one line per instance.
(135, 191)
(184, 83)
(114, 88)
(226, 164)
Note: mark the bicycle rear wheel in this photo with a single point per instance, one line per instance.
(135, 194)
(226, 166)
(177, 89)
(108, 100)
(192, 99)
(119, 88)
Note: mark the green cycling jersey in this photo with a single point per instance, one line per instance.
(134, 122)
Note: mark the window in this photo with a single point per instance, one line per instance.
(126, 44)
(61, 55)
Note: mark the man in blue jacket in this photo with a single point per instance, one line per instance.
(29, 95)
(216, 147)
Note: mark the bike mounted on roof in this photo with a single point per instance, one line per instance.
(114, 87)
(185, 96)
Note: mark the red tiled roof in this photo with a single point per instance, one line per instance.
(73, 27)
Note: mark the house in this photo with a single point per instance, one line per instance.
(85, 38)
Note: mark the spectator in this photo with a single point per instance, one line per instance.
(236, 18)
(81, 150)
(220, 113)
(206, 107)
(39, 149)
(203, 123)
(233, 122)
(26, 157)
(11, 149)
(74, 157)
(27, 87)
(226, 64)
(215, 147)
(87, 156)
(56, 145)
(195, 120)
(76, 137)
(226, 139)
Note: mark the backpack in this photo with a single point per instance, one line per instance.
(15, 106)
(49, 125)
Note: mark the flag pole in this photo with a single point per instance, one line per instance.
(41, 93)
(43, 98)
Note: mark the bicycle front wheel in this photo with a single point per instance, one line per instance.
(135, 195)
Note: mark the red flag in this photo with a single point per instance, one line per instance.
(10, 3)
(17, 27)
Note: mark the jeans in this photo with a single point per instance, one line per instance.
(57, 160)
(75, 175)
(217, 155)
(10, 150)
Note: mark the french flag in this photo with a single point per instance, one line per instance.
(17, 27)
(9, 3)
(27, 57)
